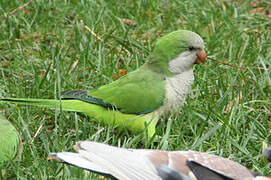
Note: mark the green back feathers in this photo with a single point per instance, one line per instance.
(138, 92)
(9, 141)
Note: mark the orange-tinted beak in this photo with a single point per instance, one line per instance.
(201, 57)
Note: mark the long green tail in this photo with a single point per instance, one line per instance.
(133, 122)
(65, 105)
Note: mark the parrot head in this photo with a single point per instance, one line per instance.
(176, 52)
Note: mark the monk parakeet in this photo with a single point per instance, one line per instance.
(142, 96)
(9, 141)
(140, 164)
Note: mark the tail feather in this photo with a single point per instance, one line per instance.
(78, 160)
(66, 105)
(120, 163)
(107, 116)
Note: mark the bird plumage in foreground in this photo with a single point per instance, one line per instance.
(138, 99)
(9, 141)
(140, 164)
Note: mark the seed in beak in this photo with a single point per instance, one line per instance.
(201, 57)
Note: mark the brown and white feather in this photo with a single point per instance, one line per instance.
(141, 164)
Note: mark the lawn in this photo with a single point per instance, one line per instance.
(55, 45)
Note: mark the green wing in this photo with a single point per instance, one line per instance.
(139, 92)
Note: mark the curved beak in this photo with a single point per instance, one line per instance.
(201, 57)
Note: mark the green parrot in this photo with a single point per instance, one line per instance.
(9, 141)
(138, 99)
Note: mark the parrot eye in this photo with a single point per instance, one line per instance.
(191, 48)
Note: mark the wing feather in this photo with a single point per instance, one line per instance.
(117, 161)
(139, 92)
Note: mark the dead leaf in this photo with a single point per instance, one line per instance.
(234, 101)
(122, 72)
(268, 13)
(121, 61)
(251, 30)
(160, 34)
(211, 26)
(115, 76)
(254, 3)
(42, 73)
(7, 57)
(147, 35)
(256, 10)
(251, 109)
(73, 66)
(148, 13)
(229, 106)
(134, 36)
(129, 22)
(4, 64)
(241, 95)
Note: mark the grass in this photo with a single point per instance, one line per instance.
(45, 48)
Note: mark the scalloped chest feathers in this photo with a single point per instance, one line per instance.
(177, 88)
